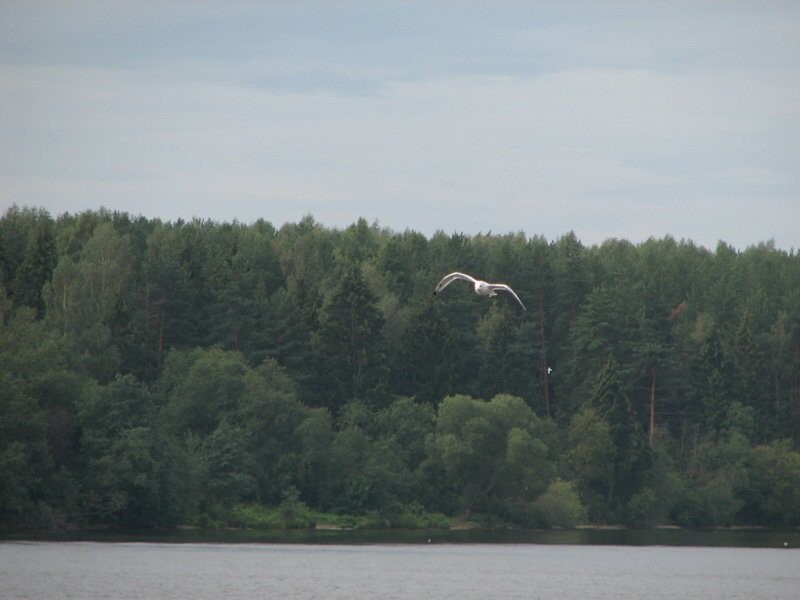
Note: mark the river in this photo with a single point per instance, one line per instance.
(439, 569)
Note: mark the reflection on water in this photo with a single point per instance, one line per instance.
(745, 538)
(427, 570)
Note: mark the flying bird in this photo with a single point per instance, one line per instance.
(482, 288)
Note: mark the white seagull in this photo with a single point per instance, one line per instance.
(481, 288)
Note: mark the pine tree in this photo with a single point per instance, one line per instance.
(632, 455)
(427, 360)
(350, 345)
(37, 268)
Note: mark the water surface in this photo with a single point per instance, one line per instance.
(747, 538)
(91, 570)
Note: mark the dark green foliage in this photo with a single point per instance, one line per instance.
(590, 461)
(24, 460)
(632, 456)
(287, 339)
(366, 474)
(427, 358)
(558, 506)
(36, 269)
(350, 345)
(27, 255)
(776, 484)
(511, 356)
(492, 452)
(242, 273)
(201, 387)
(195, 372)
(228, 467)
(270, 414)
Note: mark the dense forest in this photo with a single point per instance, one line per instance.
(161, 373)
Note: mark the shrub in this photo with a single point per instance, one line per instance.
(640, 510)
(559, 506)
(296, 516)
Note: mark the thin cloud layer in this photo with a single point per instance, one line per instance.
(669, 119)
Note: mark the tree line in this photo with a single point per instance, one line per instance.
(159, 373)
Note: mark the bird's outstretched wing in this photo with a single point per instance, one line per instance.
(503, 287)
(448, 279)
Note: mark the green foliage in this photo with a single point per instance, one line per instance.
(776, 470)
(364, 474)
(413, 516)
(293, 514)
(200, 387)
(158, 373)
(36, 269)
(259, 517)
(632, 456)
(23, 453)
(27, 255)
(406, 424)
(491, 451)
(131, 481)
(228, 467)
(590, 461)
(350, 345)
(559, 506)
(640, 508)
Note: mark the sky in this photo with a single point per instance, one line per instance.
(609, 119)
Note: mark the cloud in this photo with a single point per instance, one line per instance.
(548, 124)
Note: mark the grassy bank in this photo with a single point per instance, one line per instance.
(262, 517)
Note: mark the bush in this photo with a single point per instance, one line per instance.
(433, 521)
(410, 520)
(559, 506)
(261, 517)
(640, 510)
(373, 520)
(413, 516)
(293, 512)
(253, 515)
(778, 467)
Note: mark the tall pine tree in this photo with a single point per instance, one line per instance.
(350, 345)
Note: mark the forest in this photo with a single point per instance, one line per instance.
(156, 374)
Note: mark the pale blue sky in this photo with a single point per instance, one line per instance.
(611, 119)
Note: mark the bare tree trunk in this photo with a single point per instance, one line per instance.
(64, 307)
(545, 374)
(610, 497)
(794, 380)
(161, 338)
(652, 403)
